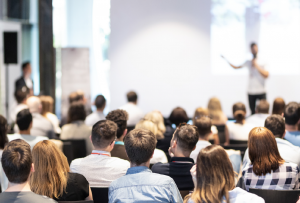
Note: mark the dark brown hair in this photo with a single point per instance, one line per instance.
(100, 101)
(103, 133)
(24, 119)
(132, 96)
(75, 97)
(263, 106)
(276, 125)
(292, 113)
(239, 111)
(263, 151)
(214, 176)
(278, 106)
(3, 132)
(16, 161)
(203, 125)
(21, 95)
(120, 117)
(76, 112)
(140, 145)
(178, 115)
(187, 137)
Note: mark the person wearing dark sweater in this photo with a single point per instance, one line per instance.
(182, 144)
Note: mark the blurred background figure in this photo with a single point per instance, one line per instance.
(97, 115)
(25, 82)
(278, 106)
(21, 98)
(47, 112)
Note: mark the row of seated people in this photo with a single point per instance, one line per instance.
(266, 168)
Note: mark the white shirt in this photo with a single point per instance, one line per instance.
(16, 110)
(159, 156)
(289, 152)
(239, 131)
(28, 82)
(258, 119)
(94, 118)
(100, 170)
(256, 83)
(135, 114)
(55, 122)
(30, 139)
(200, 145)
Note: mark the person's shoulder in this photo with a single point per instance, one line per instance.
(160, 167)
(75, 164)
(119, 162)
(13, 137)
(289, 165)
(239, 194)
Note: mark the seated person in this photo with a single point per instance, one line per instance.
(288, 151)
(52, 177)
(159, 155)
(140, 184)
(100, 103)
(182, 144)
(214, 179)
(262, 112)
(292, 120)
(177, 116)
(120, 117)
(278, 106)
(99, 168)
(21, 98)
(239, 130)
(24, 122)
(17, 164)
(267, 169)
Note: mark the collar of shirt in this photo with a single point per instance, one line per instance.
(97, 152)
(182, 160)
(119, 142)
(138, 169)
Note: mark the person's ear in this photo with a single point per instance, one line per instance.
(91, 138)
(30, 126)
(125, 132)
(284, 134)
(174, 144)
(194, 148)
(282, 114)
(152, 155)
(32, 168)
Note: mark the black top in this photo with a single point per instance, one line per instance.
(77, 188)
(20, 83)
(24, 197)
(119, 151)
(164, 144)
(180, 172)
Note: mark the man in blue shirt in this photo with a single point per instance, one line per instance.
(140, 184)
(292, 120)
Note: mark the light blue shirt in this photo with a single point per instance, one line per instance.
(141, 185)
(293, 137)
(289, 152)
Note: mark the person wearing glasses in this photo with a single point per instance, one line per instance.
(99, 168)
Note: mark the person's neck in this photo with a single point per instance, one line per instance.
(180, 153)
(24, 132)
(18, 187)
(291, 128)
(241, 121)
(133, 103)
(100, 110)
(146, 164)
(120, 139)
(205, 138)
(107, 149)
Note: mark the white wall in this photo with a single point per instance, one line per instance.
(14, 69)
(161, 49)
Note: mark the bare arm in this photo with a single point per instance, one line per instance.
(263, 72)
(233, 66)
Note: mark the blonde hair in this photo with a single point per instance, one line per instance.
(147, 125)
(200, 112)
(51, 170)
(47, 104)
(158, 120)
(214, 108)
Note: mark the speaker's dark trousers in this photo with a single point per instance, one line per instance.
(252, 100)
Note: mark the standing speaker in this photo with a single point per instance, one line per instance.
(10, 42)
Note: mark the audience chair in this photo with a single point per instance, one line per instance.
(245, 142)
(82, 201)
(277, 196)
(74, 149)
(221, 133)
(240, 147)
(100, 195)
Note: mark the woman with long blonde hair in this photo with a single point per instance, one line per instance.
(215, 111)
(52, 177)
(214, 179)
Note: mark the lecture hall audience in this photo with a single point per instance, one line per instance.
(262, 112)
(97, 115)
(292, 121)
(47, 112)
(140, 184)
(278, 106)
(3, 142)
(21, 98)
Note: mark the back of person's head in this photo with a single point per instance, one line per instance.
(47, 104)
(34, 104)
(76, 112)
(132, 96)
(3, 132)
(51, 170)
(239, 111)
(25, 64)
(24, 119)
(178, 115)
(140, 145)
(147, 125)
(200, 112)
(75, 97)
(120, 117)
(214, 176)
(203, 125)
(187, 137)
(214, 108)
(276, 125)
(17, 161)
(263, 151)
(157, 118)
(263, 106)
(104, 132)
(292, 113)
(278, 106)
(100, 102)
(21, 95)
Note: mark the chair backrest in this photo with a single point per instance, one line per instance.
(100, 195)
(82, 201)
(241, 147)
(277, 196)
(238, 141)
(221, 133)
(74, 149)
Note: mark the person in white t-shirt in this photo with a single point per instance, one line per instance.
(258, 73)
(135, 114)
(100, 103)
(262, 112)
